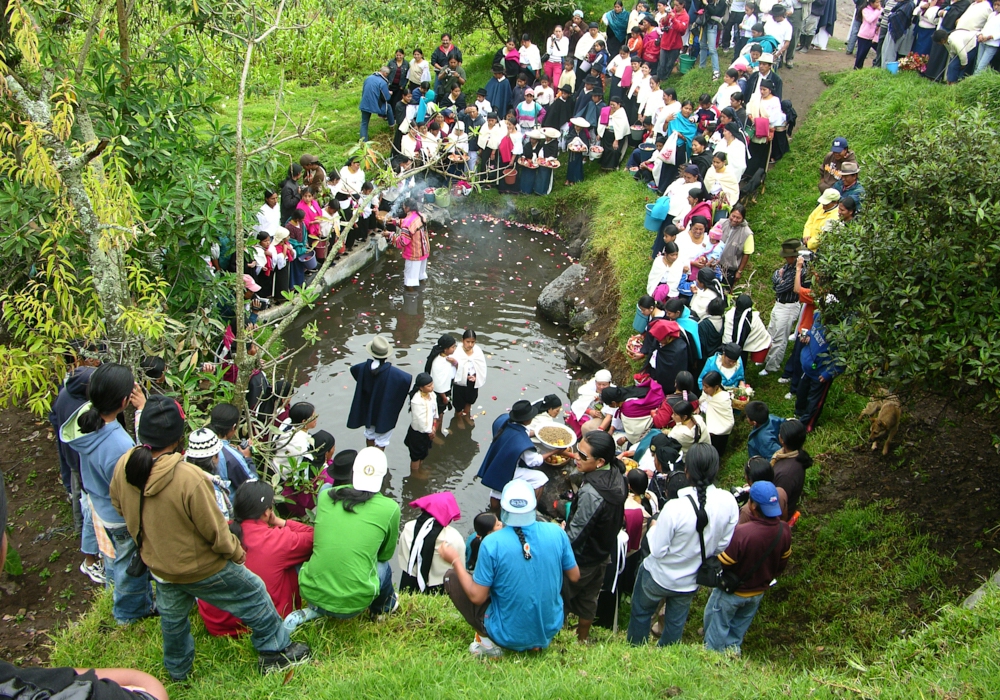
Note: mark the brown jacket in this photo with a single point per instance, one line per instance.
(185, 537)
(829, 172)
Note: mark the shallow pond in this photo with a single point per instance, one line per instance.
(483, 275)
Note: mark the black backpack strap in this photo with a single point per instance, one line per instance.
(701, 530)
(138, 535)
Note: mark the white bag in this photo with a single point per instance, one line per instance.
(669, 152)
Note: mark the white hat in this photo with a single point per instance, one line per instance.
(370, 468)
(536, 134)
(551, 132)
(580, 122)
(602, 375)
(203, 443)
(517, 503)
(280, 234)
(766, 58)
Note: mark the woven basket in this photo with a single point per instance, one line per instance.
(740, 404)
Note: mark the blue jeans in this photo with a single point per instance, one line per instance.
(384, 602)
(852, 39)
(646, 597)
(88, 538)
(727, 618)
(986, 54)
(709, 35)
(133, 595)
(365, 118)
(235, 589)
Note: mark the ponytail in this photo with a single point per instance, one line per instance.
(138, 466)
(110, 385)
(483, 524)
(702, 465)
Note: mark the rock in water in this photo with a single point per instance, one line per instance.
(591, 354)
(556, 302)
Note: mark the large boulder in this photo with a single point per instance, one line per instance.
(558, 298)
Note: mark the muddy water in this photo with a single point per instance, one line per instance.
(483, 276)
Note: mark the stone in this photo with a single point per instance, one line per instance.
(580, 321)
(591, 354)
(556, 301)
(571, 354)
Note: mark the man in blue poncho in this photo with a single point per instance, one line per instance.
(512, 455)
(498, 92)
(379, 395)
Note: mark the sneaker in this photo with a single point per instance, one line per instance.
(295, 654)
(789, 65)
(480, 651)
(382, 616)
(300, 617)
(788, 396)
(715, 75)
(762, 373)
(784, 380)
(95, 571)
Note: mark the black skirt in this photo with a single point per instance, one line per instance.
(462, 396)
(419, 444)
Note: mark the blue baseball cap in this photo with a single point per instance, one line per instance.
(839, 145)
(765, 495)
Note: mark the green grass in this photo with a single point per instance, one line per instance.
(421, 653)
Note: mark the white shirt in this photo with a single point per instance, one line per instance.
(268, 218)
(351, 183)
(530, 57)
(686, 436)
(483, 106)
(443, 374)
(557, 49)
(736, 157)
(675, 552)
(654, 100)
(423, 412)
(439, 568)
(688, 249)
(618, 64)
(544, 96)
(671, 275)
(474, 364)
(975, 18)
(718, 411)
(664, 115)
(292, 449)
(585, 44)
(992, 29)
(722, 95)
(782, 31)
(678, 192)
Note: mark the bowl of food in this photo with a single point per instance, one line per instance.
(556, 437)
(596, 149)
(456, 158)
(556, 460)
(553, 162)
(629, 463)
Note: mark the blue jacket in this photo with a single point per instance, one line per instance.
(234, 468)
(99, 452)
(712, 365)
(378, 397)
(763, 440)
(510, 440)
(499, 94)
(72, 395)
(375, 95)
(817, 357)
(691, 326)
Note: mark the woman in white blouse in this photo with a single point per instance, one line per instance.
(557, 47)
(470, 376)
(420, 70)
(443, 367)
(269, 214)
(352, 177)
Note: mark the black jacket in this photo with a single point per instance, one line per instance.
(289, 198)
(596, 516)
(405, 68)
(755, 78)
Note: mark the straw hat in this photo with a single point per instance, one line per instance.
(580, 122)
(379, 348)
(551, 132)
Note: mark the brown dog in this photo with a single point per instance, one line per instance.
(884, 413)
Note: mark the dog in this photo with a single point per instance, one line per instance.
(884, 413)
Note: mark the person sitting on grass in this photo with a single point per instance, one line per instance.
(727, 363)
(596, 516)
(423, 568)
(513, 599)
(275, 549)
(355, 537)
(757, 554)
(763, 438)
(482, 525)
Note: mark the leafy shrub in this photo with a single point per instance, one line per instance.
(917, 276)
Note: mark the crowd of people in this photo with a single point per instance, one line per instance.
(641, 515)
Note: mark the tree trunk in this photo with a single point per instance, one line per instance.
(123, 43)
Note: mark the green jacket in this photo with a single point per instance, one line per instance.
(342, 575)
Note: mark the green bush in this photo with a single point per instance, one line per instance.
(916, 276)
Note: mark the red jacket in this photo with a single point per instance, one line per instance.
(673, 26)
(651, 47)
(272, 553)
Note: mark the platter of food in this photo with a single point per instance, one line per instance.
(457, 158)
(556, 460)
(550, 163)
(527, 162)
(556, 437)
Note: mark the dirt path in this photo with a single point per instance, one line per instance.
(803, 85)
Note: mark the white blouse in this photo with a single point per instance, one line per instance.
(557, 49)
(351, 183)
(470, 365)
(268, 218)
(423, 412)
(443, 374)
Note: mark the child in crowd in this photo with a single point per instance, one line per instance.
(482, 525)
(423, 422)
(717, 406)
(689, 427)
(763, 438)
(728, 363)
(423, 568)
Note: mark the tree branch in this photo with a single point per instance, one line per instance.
(95, 21)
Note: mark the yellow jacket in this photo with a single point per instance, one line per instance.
(814, 225)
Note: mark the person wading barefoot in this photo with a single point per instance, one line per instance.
(469, 379)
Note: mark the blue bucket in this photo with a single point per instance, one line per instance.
(652, 224)
(892, 67)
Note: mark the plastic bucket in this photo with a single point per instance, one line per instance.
(686, 63)
(892, 67)
(443, 197)
(651, 223)
(635, 135)
(429, 198)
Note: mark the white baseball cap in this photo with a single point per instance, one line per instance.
(370, 468)
(518, 503)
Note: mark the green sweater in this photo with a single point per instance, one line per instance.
(341, 576)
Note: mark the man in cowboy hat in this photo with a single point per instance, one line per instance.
(512, 455)
(379, 395)
(848, 185)
(785, 313)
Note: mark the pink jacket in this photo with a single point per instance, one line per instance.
(413, 243)
(310, 217)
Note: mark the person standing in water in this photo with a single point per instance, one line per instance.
(442, 366)
(379, 395)
(469, 379)
(423, 423)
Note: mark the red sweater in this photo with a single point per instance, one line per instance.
(673, 25)
(272, 553)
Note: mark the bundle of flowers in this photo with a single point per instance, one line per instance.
(913, 61)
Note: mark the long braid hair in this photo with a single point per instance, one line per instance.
(524, 543)
(702, 465)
